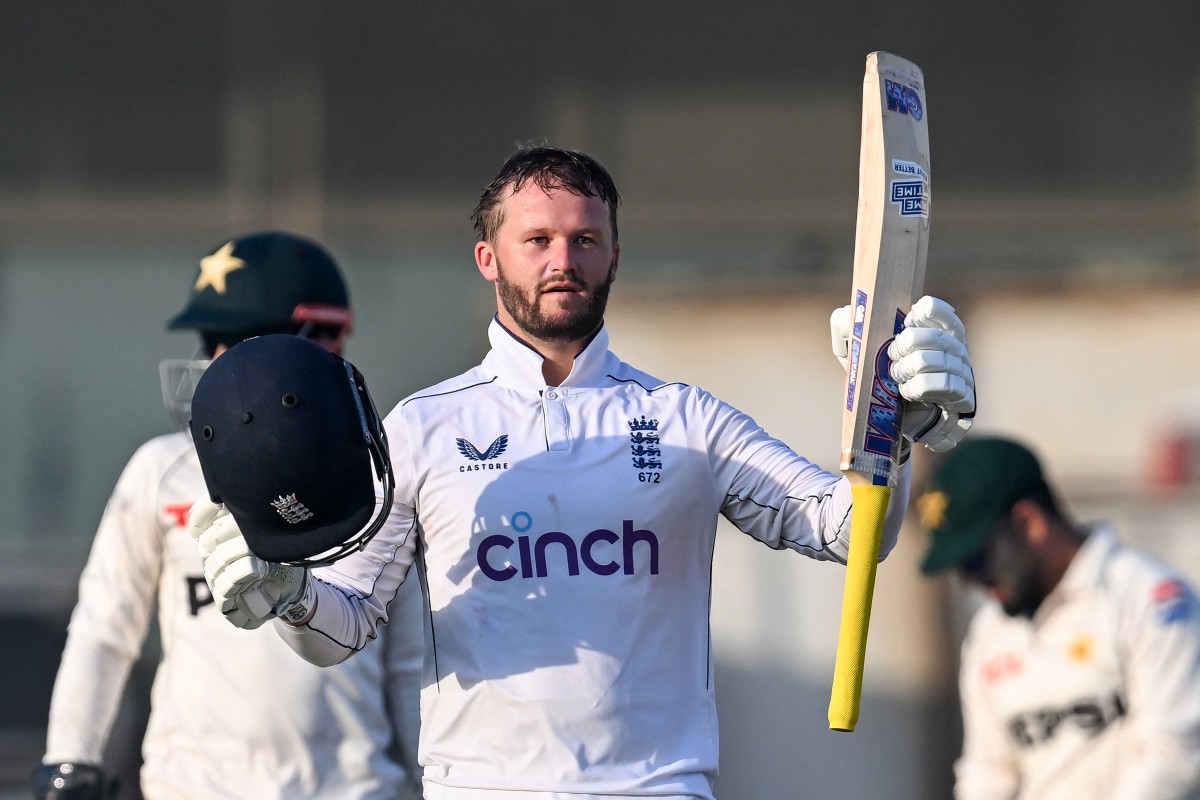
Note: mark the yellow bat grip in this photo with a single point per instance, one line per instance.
(866, 534)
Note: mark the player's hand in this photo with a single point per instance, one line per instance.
(247, 590)
(839, 334)
(932, 370)
(72, 782)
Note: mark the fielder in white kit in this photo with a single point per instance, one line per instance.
(233, 714)
(1080, 675)
(560, 507)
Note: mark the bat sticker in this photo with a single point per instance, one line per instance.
(907, 168)
(910, 197)
(904, 99)
(860, 313)
(883, 419)
(860, 319)
(852, 384)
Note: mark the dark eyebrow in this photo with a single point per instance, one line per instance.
(542, 230)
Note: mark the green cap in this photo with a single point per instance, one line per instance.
(970, 492)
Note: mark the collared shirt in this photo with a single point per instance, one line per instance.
(565, 537)
(1097, 696)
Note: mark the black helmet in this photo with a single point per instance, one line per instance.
(271, 282)
(287, 436)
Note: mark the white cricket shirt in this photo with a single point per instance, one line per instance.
(234, 713)
(565, 534)
(1098, 696)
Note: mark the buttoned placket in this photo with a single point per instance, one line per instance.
(556, 418)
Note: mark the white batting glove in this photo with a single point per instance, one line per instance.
(839, 334)
(932, 370)
(247, 590)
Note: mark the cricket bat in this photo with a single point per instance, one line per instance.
(890, 245)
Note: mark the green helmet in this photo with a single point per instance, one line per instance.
(270, 282)
(264, 283)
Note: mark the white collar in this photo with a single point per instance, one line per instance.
(519, 366)
(1084, 571)
(1088, 564)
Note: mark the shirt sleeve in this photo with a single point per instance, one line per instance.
(351, 597)
(781, 498)
(111, 617)
(1159, 638)
(987, 769)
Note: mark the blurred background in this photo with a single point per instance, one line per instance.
(1065, 143)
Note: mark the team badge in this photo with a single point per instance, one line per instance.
(1082, 649)
(214, 269)
(645, 449)
(931, 507)
(291, 509)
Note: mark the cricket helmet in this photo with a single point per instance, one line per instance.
(287, 436)
(271, 282)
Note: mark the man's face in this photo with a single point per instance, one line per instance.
(553, 262)
(1007, 567)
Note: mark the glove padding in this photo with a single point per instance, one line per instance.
(69, 781)
(932, 370)
(248, 590)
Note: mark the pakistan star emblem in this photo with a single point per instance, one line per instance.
(931, 507)
(215, 267)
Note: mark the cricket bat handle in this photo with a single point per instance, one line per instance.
(866, 535)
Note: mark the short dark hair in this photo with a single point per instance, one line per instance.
(549, 168)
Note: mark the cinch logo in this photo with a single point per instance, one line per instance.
(471, 453)
(537, 555)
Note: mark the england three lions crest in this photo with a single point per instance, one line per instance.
(645, 449)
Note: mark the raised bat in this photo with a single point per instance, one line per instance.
(890, 245)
